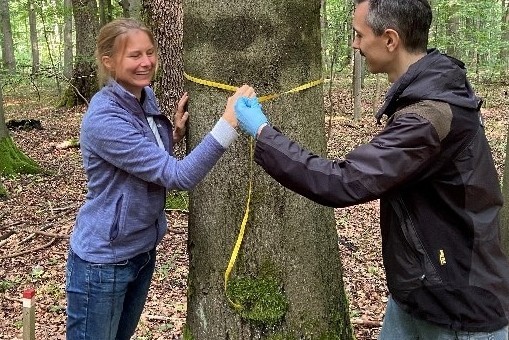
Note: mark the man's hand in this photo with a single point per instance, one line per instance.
(250, 115)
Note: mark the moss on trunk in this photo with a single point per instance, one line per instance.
(14, 161)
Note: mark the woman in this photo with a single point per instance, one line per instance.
(126, 146)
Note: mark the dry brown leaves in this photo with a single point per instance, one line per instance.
(37, 218)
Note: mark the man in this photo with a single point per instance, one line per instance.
(432, 169)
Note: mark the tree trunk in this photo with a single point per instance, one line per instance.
(504, 50)
(504, 212)
(166, 23)
(9, 60)
(84, 79)
(324, 27)
(357, 82)
(453, 26)
(288, 274)
(68, 41)
(12, 160)
(378, 94)
(34, 42)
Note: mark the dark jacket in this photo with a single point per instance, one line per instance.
(432, 169)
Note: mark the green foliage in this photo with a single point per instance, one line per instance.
(478, 38)
(5, 285)
(177, 200)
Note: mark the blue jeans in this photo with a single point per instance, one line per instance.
(105, 301)
(398, 324)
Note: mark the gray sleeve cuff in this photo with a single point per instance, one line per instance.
(224, 133)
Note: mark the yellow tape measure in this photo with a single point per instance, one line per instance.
(236, 248)
(238, 243)
(260, 99)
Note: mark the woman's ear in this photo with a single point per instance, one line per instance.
(107, 62)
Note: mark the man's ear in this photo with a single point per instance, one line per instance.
(392, 39)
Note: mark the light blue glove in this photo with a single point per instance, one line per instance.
(250, 115)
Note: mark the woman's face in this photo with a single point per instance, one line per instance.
(135, 65)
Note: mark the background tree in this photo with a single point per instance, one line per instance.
(357, 85)
(504, 213)
(3, 134)
(504, 49)
(288, 274)
(9, 60)
(12, 160)
(453, 24)
(68, 40)
(105, 11)
(34, 40)
(166, 23)
(83, 84)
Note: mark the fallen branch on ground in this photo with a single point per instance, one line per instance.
(367, 323)
(28, 251)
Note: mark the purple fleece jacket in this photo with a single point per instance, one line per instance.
(128, 174)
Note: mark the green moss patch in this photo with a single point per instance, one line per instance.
(261, 299)
(13, 161)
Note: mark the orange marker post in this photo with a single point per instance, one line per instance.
(28, 314)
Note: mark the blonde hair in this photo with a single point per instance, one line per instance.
(111, 42)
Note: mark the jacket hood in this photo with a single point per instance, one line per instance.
(436, 76)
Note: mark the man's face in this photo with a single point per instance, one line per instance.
(372, 47)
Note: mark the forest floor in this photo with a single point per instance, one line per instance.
(37, 218)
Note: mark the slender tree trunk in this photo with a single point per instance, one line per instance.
(105, 12)
(504, 213)
(34, 43)
(357, 82)
(453, 26)
(4, 133)
(84, 79)
(9, 61)
(288, 274)
(68, 41)
(324, 25)
(378, 93)
(165, 20)
(504, 50)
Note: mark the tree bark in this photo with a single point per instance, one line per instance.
(84, 79)
(166, 24)
(504, 212)
(9, 60)
(357, 85)
(453, 26)
(68, 41)
(504, 50)
(12, 160)
(34, 42)
(288, 274)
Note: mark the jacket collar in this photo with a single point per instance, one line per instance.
(126, 99)
(436, 76)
